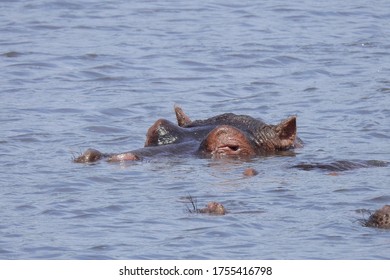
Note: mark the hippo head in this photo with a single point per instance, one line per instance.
(380, 218)
(224, 135)
(219, 136)
(228, 139)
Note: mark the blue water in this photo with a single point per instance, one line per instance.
(97, 74)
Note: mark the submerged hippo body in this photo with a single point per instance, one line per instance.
(219, 136)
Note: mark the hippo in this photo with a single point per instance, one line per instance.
(211, 208)
(380, 218)
(250, 172)
(225, 135)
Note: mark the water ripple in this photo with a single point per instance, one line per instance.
(99, 74)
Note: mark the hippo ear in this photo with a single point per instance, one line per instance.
(287, 132)
(182, 119)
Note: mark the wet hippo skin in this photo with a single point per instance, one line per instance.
(220, 136)
(380, 218)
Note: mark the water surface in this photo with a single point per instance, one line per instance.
(81, 74)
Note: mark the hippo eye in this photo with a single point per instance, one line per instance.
(234, 147)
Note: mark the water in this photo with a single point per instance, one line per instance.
(81, 74)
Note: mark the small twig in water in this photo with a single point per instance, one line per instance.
(193, 202)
